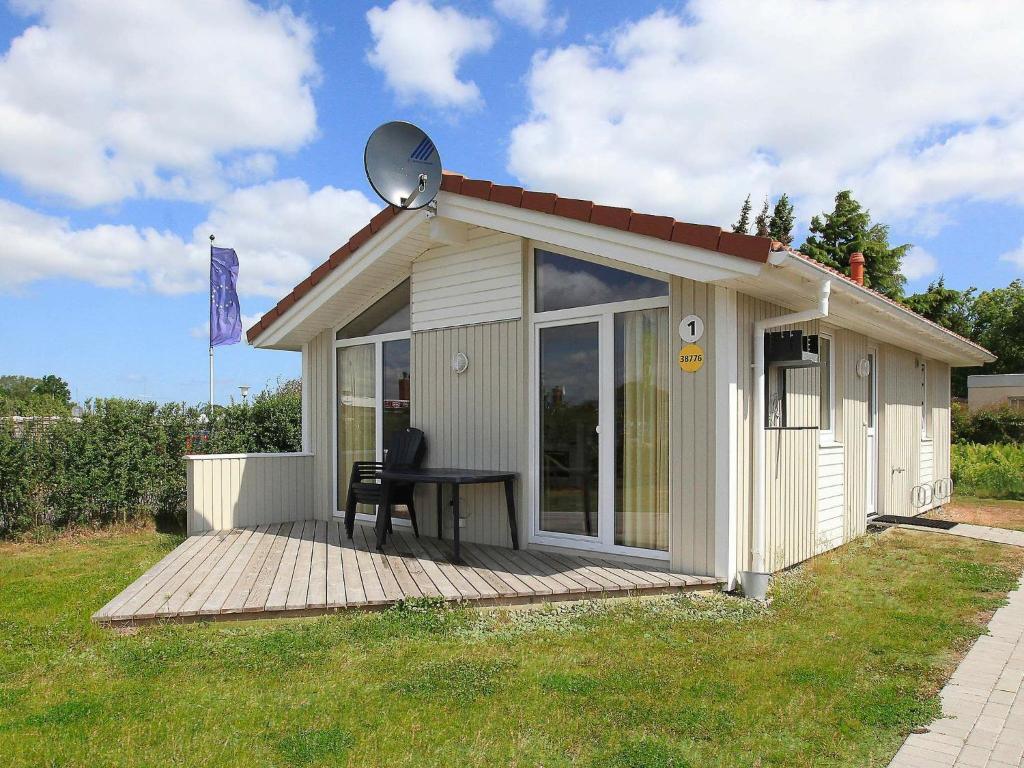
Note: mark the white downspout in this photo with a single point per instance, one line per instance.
(756, 578)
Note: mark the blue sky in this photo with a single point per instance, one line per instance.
(129, 131)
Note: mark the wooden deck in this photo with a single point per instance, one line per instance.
(310, 567)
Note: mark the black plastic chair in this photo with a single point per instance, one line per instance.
(406, 451)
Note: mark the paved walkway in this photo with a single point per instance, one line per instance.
(968, 531)
(983, 702)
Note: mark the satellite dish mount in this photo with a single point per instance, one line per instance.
(403, 165)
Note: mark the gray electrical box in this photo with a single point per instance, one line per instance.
(790, 349)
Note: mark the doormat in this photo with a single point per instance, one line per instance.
(918, 521)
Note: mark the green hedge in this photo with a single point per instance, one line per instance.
(989, 471)
(124, 458)
(989, 426)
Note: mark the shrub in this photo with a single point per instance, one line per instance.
(990, 425)
(124, 458)
(991, 471)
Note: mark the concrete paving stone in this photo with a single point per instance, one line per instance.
(973, 756)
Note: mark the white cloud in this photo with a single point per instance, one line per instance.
(102, 100)
(685, 114)
(535, 15)
(280, 230)
(919, 263)
(419, 48)
(1016, 256)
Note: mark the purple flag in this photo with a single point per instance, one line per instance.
(225, 314)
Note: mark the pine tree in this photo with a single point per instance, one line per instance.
(835, 236)
(781, 225)
(742, 225)
(761, 222)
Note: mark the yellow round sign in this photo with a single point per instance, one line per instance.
(691, 358)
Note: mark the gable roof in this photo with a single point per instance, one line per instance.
(666, 228)
(710, 238)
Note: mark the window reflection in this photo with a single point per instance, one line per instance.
(563, 282)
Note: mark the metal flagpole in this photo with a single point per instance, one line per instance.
(211, 326)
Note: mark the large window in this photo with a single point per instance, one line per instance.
(603, 360)
(562, 282)
(374, 383)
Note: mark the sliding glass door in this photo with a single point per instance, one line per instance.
(569, 450)
(374, 384)
(602, 363)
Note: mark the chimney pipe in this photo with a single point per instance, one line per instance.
(857, 268)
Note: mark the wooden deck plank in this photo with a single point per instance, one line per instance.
(465, 578)
(388, 581)
(372, 587)
(161, 568)
(335, 577)
(277, 600)
(220, 594)
(566, 575)
(299, 587)
(473, 553)
(423, 581)
(354, 592)
(569, 585)
(258, 595)
(616, 574)
(578, 572)
(216, 575)
(401, 572)
(448, 590)
(528, 571)
(235, 599)
(175, 603)
(316, 593)
(171, 589)
(311, 565)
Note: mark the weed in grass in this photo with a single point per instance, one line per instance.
(572, 683)
(893, 705)
(645, 753)
(703, 722)
(65, 713)
(459, 680)
(314, 746)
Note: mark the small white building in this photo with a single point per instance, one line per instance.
(999, 390)
(617, 364)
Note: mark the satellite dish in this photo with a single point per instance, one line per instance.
(402, 165)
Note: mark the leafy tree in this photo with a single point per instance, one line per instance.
(28, 396)
(999, 326)
(835, 236)
(761, 222)
(948, 307)
(742, 225)
(780, 227)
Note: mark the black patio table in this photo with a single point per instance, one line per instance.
(440, 477)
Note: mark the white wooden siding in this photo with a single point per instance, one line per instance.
(476, 419)
(927, 461)
(692, 403)
(320, 369)
(478, 282)
(234, 490)
(831, 497)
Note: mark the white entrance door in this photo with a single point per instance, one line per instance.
(872, 447)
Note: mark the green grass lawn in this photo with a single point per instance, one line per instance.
(845, 661)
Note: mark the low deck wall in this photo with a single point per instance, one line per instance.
(242, 489)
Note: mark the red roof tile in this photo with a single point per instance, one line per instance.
(660, 227)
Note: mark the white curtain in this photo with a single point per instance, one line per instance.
(643, 429)
(357, 411)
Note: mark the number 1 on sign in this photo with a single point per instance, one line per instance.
(691, 328)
